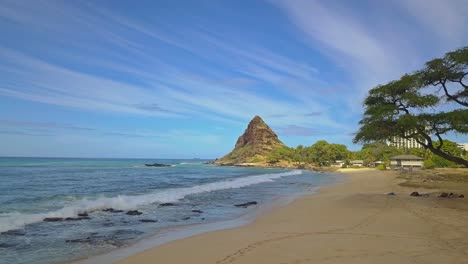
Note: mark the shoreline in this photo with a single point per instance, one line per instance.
(187, 231)
(280, 165)
(353, 220)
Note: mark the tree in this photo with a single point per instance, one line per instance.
(407, 108)
(281, 153)
(449, 75)
(300, 154)
(377, 151)
(449, 147)
(339, 152)
(319, 153)
(423, 153)
(324, 153)
(382, 151)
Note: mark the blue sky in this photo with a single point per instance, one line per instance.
(183, 78)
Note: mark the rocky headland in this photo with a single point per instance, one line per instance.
(253, 147)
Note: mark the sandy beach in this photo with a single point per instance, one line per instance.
(351, 222)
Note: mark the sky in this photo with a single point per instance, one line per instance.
(182, 79)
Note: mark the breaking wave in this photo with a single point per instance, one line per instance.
(10, 221)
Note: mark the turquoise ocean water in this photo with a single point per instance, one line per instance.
(32, 189)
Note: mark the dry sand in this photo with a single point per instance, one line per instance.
(350, 222)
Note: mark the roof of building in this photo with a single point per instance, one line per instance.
(357, 161)
(406, 157)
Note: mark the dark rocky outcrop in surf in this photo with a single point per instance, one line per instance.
(14, 232)
(60, 219)
(112, 210)
(157, 165)
(245, 205)
(167, 204)
(77, 218)
(148, 220)
(134, 212)
(53, 219)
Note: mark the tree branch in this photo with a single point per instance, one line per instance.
(452, 97)
(440, 140)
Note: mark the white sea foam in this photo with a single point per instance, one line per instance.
(16, 220)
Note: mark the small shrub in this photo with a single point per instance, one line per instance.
(256, 159)
(429, 164)
(381, 167)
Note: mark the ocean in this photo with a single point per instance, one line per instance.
(33, 189)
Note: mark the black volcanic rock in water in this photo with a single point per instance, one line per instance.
(257, 141)
(166, 204)
(53, 219)
(245, 205)
(14, 232)
(112, 210)
(134, 212)
(77, 218)
(148, 220)
(157, 165)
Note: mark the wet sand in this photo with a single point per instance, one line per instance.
(351, 222)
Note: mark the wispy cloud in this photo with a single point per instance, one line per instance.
(313, 114)
(338, 32)
(311, 70)
(128, 134)
(160, 88)
(446, 20)
(24, 133)
(176, 136)
(152, 108)
(382, 45)
(295, 130)
(34, 128)
(316, 132)
(317, 113)
(31, 124)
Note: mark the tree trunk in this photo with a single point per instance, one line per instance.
(446, 156)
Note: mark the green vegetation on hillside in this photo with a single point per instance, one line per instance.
(323, 153)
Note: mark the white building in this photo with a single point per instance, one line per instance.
(406, 161)
(339, 163)
(359, 163)
(463, 146)
(404, 143)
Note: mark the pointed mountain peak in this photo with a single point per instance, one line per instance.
(257, 119)
(257, 141)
